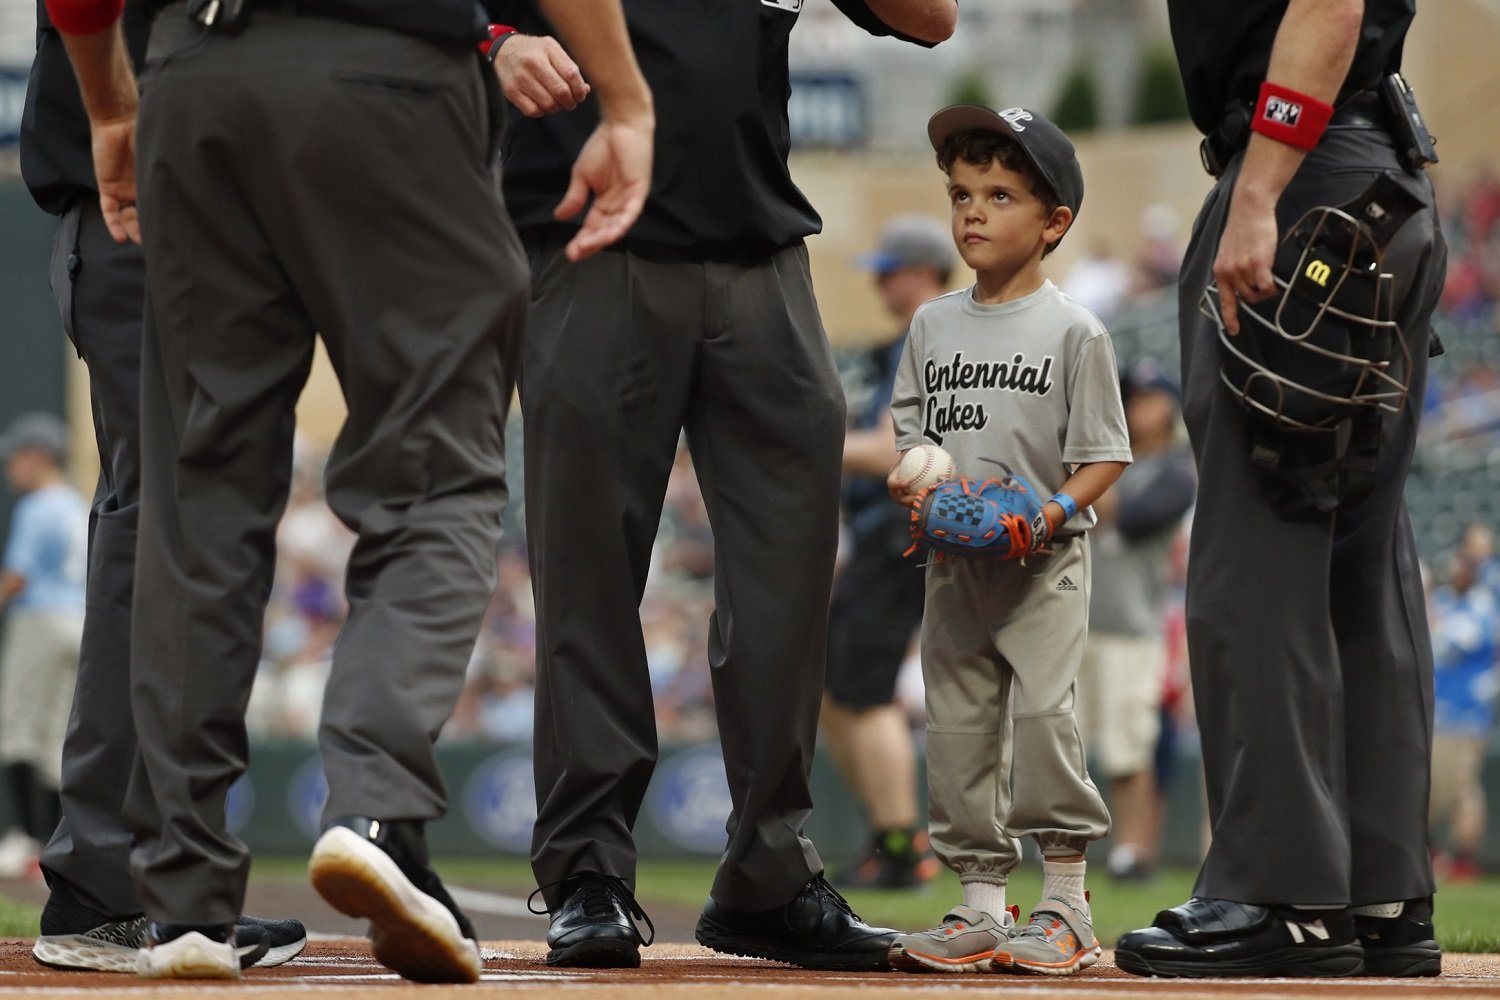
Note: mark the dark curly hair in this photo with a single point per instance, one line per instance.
(982, 146)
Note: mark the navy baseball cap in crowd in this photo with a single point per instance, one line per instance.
(35, 431)
(1147, 376)
(912, 241)
(1043, 143)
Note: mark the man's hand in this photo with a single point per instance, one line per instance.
(615, 166)
(114, 166)
(1242, 268)
(538, 76)
(107, 83)
(1312, 52)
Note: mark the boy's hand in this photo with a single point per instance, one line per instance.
(901, 489)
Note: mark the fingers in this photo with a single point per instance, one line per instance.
(566, 84)
(574, 199)
(539, 77)
(1229, 309)
(121, 218)
(605, 224)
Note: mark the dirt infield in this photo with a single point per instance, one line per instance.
(343, 968)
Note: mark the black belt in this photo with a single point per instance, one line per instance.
(1363, 109)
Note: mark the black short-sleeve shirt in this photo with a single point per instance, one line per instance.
(718, 73)
(1224, 46)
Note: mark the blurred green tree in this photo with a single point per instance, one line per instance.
(1077, 108)
(1159, 96)
(969, 88)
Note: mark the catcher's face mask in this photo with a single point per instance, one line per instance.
(1325, 348)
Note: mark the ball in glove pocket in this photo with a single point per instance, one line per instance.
(925, 465)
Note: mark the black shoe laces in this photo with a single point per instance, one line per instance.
(820, 886)
(598, 895)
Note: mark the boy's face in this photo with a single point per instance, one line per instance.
(998, 224)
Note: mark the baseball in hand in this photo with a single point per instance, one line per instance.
(924, 466)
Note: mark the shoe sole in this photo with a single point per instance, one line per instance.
(1405, 962)
(250, 954)
(281, 955)
(1333, 962)
(80, 952)
(725, 941)
(1008, 963)
(904, 959)
(411, 933)
(191, 956)
(600, 954)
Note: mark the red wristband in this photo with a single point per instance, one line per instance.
(83, 17)
(492, 32)
(1287, 116)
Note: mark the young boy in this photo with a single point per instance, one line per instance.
(1010, 370)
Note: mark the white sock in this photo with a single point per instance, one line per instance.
(986, 897)
(1064, 880)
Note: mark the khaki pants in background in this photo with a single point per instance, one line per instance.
(38, 668)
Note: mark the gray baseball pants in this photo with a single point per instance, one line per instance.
(310, 177)
(1002, 644)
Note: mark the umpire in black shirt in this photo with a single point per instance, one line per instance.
(702, 318)
(322, 168)
(1312, 666)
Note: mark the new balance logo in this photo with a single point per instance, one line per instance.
(1066, 584)
(1299, 931)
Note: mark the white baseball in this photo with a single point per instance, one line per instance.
(925, 465)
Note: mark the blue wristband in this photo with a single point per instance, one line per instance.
(1067, 503)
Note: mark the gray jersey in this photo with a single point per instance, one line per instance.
(1031, 383)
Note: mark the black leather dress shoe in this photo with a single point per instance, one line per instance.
(595, 925)
(816, 930)
(1400, 943)
(1217, 937)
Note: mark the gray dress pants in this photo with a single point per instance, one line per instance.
(624, 351)
(100, 287)
(1311, 662)
(312, 177)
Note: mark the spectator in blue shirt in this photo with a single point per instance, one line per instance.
(41, 591)
(1465, 682)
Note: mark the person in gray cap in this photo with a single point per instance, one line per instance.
(877, 596)
(41, 589)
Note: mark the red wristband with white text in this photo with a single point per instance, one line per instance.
(1287, 116)
(493, 33)
(84, 17)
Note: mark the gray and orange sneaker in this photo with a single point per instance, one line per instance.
(964, 942)
(1057, 940)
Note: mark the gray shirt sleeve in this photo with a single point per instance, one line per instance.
(906, 395)
(1096, 418)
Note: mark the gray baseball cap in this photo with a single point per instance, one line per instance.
(1043, 142)
(912, 241)
(35, 431)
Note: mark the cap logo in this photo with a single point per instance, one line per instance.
(1015, 116)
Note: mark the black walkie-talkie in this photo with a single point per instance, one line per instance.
(1414, 142)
